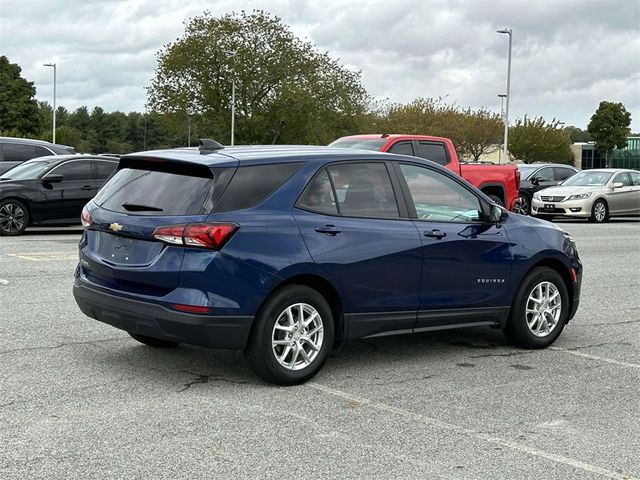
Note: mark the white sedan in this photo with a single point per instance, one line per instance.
(593, 194)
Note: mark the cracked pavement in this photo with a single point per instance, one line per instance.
(79, 399)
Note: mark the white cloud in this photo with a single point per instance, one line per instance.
(567, 55)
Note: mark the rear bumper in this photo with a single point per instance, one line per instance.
(144, 318)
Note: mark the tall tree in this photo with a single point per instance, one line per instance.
(609, 126)
(19, 113)
(476, 132)
(576, 134)
(539, 141)
(286, 91)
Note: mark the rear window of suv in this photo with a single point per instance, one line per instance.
(148, 192)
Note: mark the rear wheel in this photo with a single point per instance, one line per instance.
(497, 200)
(599, 212)
(14, 217)
(292, 336)
(153, 342)
(539, 311)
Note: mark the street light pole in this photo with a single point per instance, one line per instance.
(233, 109)
(502, 97)
(54, 98)
(509, 32)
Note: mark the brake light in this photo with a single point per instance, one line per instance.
(85, 218)
(207, 235)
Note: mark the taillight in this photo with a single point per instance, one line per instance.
(85, 218)
(517, 178)
(207, 235)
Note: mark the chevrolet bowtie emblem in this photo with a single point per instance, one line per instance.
(116, 227)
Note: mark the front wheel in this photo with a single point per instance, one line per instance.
(599, 212)
(292, 336)
(522, 205)
(539, 311)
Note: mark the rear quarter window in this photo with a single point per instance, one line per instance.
(251, 185)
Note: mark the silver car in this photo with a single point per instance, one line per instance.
(593, 194)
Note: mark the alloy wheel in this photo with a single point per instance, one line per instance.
(599, 211)
(297, 336)
(522, 205)
(544, 306)
(12, 218)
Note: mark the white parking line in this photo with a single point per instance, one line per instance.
(44, 256)
(595, 357)
(587, 467)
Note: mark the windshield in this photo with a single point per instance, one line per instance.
(588, 178)
(527, 170)
(25, 171)
(361, 143)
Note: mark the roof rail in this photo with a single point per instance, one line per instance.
(207, 146)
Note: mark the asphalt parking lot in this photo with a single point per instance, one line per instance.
(79, 399)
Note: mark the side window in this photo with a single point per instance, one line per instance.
(41, 152)
(364, 190)
(562, 173)
(635, 178)
(433, 151)
(16, 152)
(252, 184)
(402, 148)
(544, 174)
(75, 170)
(105, 169)
(318, 195)
(438, 198)
(623, 178)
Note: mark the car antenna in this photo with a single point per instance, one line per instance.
(207, 146)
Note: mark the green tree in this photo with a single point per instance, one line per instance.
(609, 126)
(476, 132)
(577, 134)
(286, 91)
(19, 111)
(539, 141)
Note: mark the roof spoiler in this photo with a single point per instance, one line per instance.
(207, 146)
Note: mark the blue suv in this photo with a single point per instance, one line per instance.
(286, 252)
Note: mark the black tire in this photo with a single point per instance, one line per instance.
(14, 217)
(523, 204)
(517, 329)
(260, 352)
(153, 342)
(596, 211)
(496, 199)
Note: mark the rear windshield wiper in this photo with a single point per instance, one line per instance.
(134, 207)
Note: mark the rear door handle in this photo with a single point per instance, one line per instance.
(435, 234)
(328, 229)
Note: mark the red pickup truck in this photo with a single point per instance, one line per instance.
(500, 182)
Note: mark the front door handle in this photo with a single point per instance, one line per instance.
(328, 229)
(87, 187)
(435, 234)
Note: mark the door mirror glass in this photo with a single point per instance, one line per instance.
(53, 178)
(498, 214)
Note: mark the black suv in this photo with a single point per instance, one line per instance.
(537, 176)
(14, 151)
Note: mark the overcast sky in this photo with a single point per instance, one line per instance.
(567, 55)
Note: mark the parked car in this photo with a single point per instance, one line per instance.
(14, 151)
(285, 252)
(593, 194)
(50, 191)
(499, 182)
(536, 177)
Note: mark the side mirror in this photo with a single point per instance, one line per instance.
(498, 214)
(52, 178)
(618, 185)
